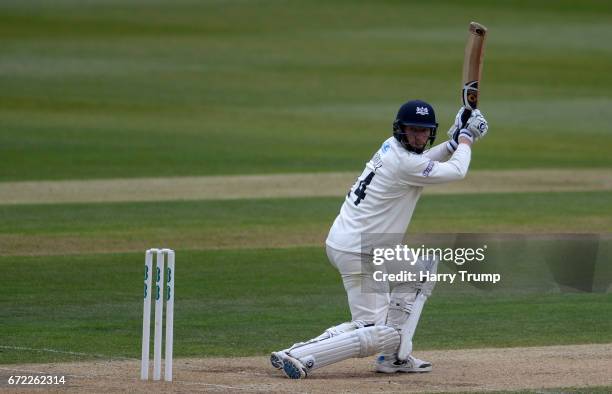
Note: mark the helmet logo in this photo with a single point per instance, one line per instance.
(422, 111)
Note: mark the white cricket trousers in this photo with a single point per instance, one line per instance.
(371, 307)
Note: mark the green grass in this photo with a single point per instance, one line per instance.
(172, 88)
(73, 228)
(184, 88)
(437, 213)
(238, 303)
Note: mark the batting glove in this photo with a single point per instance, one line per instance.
(467, 134)
(477, 125)
(453, 132)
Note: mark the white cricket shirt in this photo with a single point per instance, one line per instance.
(383, 198)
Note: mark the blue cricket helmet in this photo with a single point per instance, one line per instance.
(415, 113)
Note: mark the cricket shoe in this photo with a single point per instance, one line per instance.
(276, 359)
(293, 368)
(390, 364)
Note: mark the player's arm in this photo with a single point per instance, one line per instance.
(421, 170)
(441, 152)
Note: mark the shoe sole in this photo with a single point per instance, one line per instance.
(292, 370)
(276, 360)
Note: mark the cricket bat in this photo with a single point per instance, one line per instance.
(472, 69)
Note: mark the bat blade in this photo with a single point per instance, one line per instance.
(472, 68)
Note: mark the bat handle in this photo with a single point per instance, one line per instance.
(469, 97)
(465, 116)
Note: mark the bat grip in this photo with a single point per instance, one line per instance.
(465, 116)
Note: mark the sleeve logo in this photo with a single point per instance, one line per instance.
(427, 170)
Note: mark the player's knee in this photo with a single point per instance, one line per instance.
(377, 339)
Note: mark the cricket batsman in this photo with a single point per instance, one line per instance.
(382, 201)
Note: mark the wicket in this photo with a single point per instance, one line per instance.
(159, 307)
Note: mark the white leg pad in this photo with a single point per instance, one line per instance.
(409, 327)
(361, 342)
(406, 306)
(332, 332)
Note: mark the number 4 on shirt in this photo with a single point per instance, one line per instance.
(360, 192)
